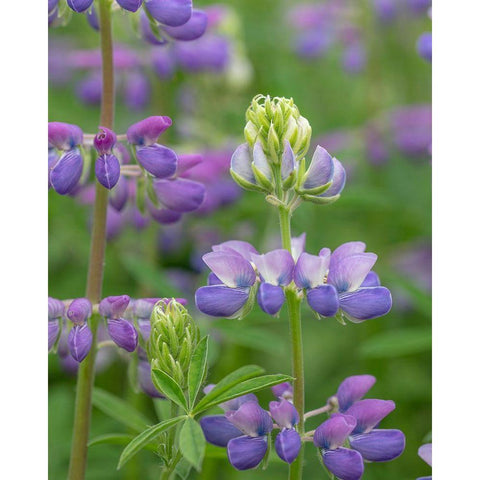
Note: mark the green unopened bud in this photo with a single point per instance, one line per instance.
(173, 339)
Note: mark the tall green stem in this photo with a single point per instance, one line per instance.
(86, 371)
(293, 303)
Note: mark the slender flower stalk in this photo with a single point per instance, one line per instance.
(86, 373)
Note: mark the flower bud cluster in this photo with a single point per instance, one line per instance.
(173, 338)
(272, 160)
(337, 284)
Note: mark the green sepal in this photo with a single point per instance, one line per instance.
(262, 179)
(245, 184)
(316, 190)
(273, 144)
(320, 200)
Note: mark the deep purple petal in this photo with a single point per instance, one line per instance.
(170, 12)
(187, 161)
(80, 341)
(310, 270)
(180, 195)
(344, 463)
(193, 29)
(104, 140)
(107, 170)
(147, 131)
(369, 413)
(218, 430)
(123, 333)
(53, 329)
(379, 445)
(288, 444)
(130, 5)
(320, 171)
(284, 413)
(231, 268)
(323, 300)
(333, 432)
(425, 453)
(113, 306)
(221, 301)
(251, 419)
(245, 249)
(246, 452)
(371, 280)
(145, 380)
(270, 298)
(79, 5)
(163, 215)
(64, 136)
(353, 389)
(338, 180)
(366, 303)
(275, 267)
(349, 272)
(212, 279)
(160, 161)
(79, 310)
(66, 173)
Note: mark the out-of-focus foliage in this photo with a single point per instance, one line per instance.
(386, 205)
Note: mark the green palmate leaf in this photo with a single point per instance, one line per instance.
(169, 387)
(147, 436)
(197, 370)
(192, 443)
(232, 379)
(242, 388)
(118, 409)
(183, 469)
(394, 343)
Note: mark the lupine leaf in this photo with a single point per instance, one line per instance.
(183, 469)
(144, 438)
(248, 386)
(119, 410)
(192, 443)
(197, 369)
(117, 439)
(169, 387)
(232, 379)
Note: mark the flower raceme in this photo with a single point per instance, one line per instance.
(339, 283)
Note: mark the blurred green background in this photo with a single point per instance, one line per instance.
(387, 206)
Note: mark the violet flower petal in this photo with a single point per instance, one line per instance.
(66, 173)
(348, 273)
(366, 303)
(113, 306)
(80, 341)
(79, 5)
(371, 280)
(251, 419)
(425, 453)
(123, 333)
(56, 308)
(218, 430)
(333, 432)
(220, 300)
(288, 444)
(193, 29)
(170, 12)
(147, 131)
(298, 245)
(275, 267)
(379, 445)
(79, 310)
(236, 403)
(283, 390)
(107, 170)
(320, 171)
(180, 195)
(145, 380)
(53, 329)
(245, 249)
(130, 5)
(344, 463)
(270, 298)
(338, 180)
(241, 163)
(246, 452)
(284, 413)
(369, 412)
(353, 389)
(310, 270)
(158, 160)
(231, 268)
(323, 300)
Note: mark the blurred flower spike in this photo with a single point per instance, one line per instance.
(339, 284)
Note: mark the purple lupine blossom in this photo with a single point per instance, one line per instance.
(92, 18)
(353, 389)
(425, 453)
(79, 6)
(64, 136)
(329, 437)
(276, 271)
(130, 5)
(80, 341)
(56, 309)
(193, 29)
(66, 172)
(424, 46)
(348, 271)
(107, 169)
(158, 160)
(104, 141)
(283, 390)
(79, 311)
(113, 306)
(243, 431)
(288, 441)
(230, 288)
(170, 12)
(147, 131)
(145, 380)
